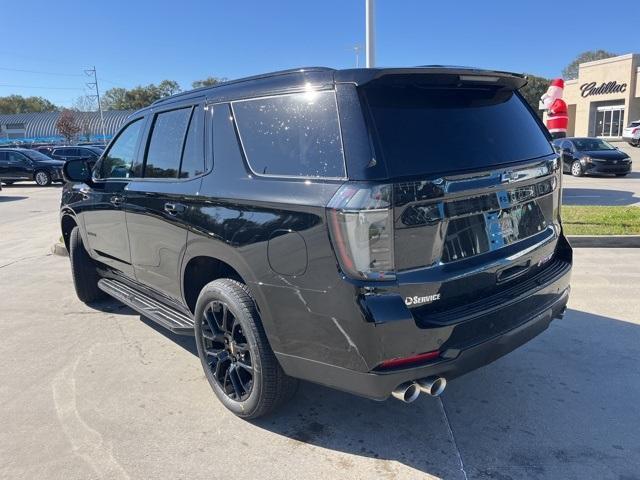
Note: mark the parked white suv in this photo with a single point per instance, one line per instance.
(631, 134)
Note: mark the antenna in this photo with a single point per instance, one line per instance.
(92, 73)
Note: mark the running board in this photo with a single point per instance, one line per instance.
(166, 316)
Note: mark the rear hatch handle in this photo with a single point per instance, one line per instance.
(509, 273)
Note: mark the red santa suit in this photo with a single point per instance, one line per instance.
(557, 115)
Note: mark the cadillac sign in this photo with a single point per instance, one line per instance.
(593, 88)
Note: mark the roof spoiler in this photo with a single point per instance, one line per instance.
(436, 73)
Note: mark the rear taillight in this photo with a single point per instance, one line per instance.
(635, 130)
(361, 228)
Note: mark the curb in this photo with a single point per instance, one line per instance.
(604, 241)
(59, 249)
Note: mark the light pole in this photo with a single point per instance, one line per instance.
(370, 33)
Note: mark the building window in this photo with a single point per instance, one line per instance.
(14, 126)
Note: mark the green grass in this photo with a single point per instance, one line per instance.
(590, 220)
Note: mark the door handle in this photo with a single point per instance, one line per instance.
(174, 208)
(116, 200)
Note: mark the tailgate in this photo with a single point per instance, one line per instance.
(464, 238)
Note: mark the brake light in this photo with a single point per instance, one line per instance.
(635, 130)
(361, 228)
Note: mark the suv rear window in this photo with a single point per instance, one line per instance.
(423, 129)
(292, 135)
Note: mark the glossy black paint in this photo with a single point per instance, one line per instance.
(272, 233)
(16, 165)
(607, 162)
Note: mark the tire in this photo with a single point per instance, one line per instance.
(42, 178)
(576, 169)
(83, 270)
(230, 343)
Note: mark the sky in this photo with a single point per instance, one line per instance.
(140, 41)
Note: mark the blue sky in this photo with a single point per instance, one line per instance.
(139, 41)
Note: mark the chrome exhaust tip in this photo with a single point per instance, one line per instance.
(406, 392)
(433, 386)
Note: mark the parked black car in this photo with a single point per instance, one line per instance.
(17, 164)
(582, 156)
(337, 226)
(72, 152)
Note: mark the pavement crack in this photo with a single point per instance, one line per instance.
(453, 438)
(25, 258)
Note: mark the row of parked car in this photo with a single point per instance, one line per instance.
(41, 164)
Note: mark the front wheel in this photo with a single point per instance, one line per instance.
(576, 169)
(235, 353)
(83, 270)
(43, 178)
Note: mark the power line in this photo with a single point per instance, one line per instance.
(41, 72)
(36, 86)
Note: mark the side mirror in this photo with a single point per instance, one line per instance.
(78, 170)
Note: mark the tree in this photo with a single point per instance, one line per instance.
(67, 125)
(20, 104)
(207, 82)
(533, 90)
(84, 103)
(138, 97)
(571, 71)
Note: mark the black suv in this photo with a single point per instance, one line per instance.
(17, 164)
(72, 153)
(379, 231)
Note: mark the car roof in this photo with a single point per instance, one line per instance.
(322, 77)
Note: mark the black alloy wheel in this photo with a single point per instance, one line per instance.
(235, 353)
(227, 350)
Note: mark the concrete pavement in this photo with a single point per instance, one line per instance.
(101, 393)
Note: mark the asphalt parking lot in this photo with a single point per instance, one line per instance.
(606, 189)
(102, 393)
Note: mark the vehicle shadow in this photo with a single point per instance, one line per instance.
(27, 184)
(11, 198)
(631, 174)
(563, 406)
(597, 196)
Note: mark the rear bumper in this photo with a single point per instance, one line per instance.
(533, 312)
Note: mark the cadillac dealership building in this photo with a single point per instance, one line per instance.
(604, 98)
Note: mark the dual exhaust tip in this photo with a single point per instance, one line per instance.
(409, 391)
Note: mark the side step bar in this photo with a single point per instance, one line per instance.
(166, 316)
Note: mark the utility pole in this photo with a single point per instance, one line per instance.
(370, 33)
(92, 72)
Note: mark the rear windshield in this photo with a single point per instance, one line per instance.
(422, 129)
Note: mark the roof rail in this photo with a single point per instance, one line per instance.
(244, 79)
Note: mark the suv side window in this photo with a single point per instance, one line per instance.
(17, 157)
(292, 135)
(117, 161)
(166, 142)
(193, 154)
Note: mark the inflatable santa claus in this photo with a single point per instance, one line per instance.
(557, 117)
